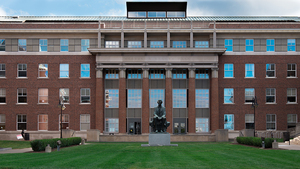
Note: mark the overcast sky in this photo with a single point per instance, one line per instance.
(118, 7)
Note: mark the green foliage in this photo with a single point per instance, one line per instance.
(40, 145)
(256, 141)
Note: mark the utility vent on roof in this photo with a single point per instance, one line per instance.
(15, 17)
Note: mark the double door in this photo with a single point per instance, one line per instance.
(179, 126)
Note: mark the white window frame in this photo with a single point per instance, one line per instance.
(2, 44)
(64, 43)
(249, 119)
(89, 70)
(246, 70)
(21, 95)
(291, 70)
(88, 121)
(269, 45)
(227, 122)
(271, 122)
(247, 44)
(116, 124)
(270, 70)
(22, 70)
(249, 95)
(270, 95)
(3, 69)
(43, 44)
(22, 118)
(43, 68)
(291, 119)
(226, 66)
(40, 94)
(85, 95)
(22, 45)
(227, 95)
(67, 70)
(2, 121)
(293, 94)
(61, 90)
(43, 122)
(85, 44)
(3, 94)
(288, 45)
(64, 120)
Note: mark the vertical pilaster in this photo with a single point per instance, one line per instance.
(122, 36)
(215, 36)
(99, 115)
(168, 98)
(145, 40)
(145, 101)
(191, 39)
(168, 36)
(122, 100)
(99, 36)
(191, 102)
(214, 101)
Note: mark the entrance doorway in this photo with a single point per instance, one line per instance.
(134, 126)
(179, 125)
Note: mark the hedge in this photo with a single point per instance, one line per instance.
(256, 141)
(40, 145)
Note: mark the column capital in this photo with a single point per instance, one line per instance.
(122, 72)
(99, 72)
(145, 72)
(192, 72)
(214, 73)
(168, 72)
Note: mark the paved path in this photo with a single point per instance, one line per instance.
(286, 146)
(24, 150)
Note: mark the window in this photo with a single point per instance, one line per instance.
(157, 74)
(179, 73)
(249, 95)
(156, 14)
(43, 70)
(111, 125)
(22, 44)
(291, 95)
(112, 98)
(63, 70)
(85, 70)
(85, 44)
(201, 74)
(43, 45)
(249, 70)
(2, 95)
(85, 95)
(291, 120)
(249, 121)
(134, 74)
(270, 95)
(155, 95)
(271, 122)
(43, 122)
(201, 44)
(2, 121)
(249, 45)
(84, 122)
(22, 95)
(156, 44)
(179, 98)
(202, 98)
(270, 70)
(291, 70)
(65, 121)
(2, 44)
(134, 44)
(228, 95)
(179, 44)
(176, 14)
(65, 93)
(228, 45)
(112, 44)
(64, 45)
(270, 45)
(134, 98)
(2, 70)
(229, 121)
(136, 14)
(21, 122)
(291, 45)
(228, 70)
(22, 70)
(111, 74)
(43, 96)
(202, 125)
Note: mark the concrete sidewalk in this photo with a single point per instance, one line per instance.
(24, 150)
(286, 146)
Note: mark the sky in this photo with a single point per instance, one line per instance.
(118, 7)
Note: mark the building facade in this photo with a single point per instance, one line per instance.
(112, 70)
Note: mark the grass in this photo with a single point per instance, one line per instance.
(132, 155)
(14, 144)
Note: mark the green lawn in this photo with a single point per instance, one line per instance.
(14, 144)
(132, 155)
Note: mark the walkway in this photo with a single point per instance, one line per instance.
(286, 146)
(24, 150)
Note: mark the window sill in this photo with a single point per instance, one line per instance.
(271, 103)
(292, 103)
(3, 103)
(249, 77)
(292, 77)
(42, 77)
(2, 77)
(84, 77)
(248, 103)
(42, 103)
(228, 77)
(21, 103)
(229, 103)
(271, 77)
(21, 77)
(63, 78)
(84, 103)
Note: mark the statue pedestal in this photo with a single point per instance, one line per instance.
(159, 139)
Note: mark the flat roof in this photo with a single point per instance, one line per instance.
(156, 6)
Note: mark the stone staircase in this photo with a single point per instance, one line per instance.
(295, 131)
(295, 140)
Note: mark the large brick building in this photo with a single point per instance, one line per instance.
(112, 70)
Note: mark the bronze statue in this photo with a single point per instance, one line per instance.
(159, 123)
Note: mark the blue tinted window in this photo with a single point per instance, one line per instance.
(202, 125)
(134, 74)
(112, 98)
(228, 45)
(270, 70)
(157, 14)
(137, 14)
(2, 44)
(134, 98)
(291, 45)
(64, 70)
(179, 44)
(201, 44)
(179, 98)
(179, 73)
(134, 44)
(156, 74)
(228, 70)
(111, 74)
(249, 70)
(228, 95)
(202, 98)
(156, 44)
(270, 45)
(229, 121)
(22, 45)
(249, 94)
(249, 45)
(64, 45)
(176, 14)
(85, 70)
(85, 44)
(201, 74)
(43, 45)
(155, 95)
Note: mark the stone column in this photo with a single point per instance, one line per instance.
(122, 100)
(168, 98)
(145, 39)
(214, 100)
(191, 101)
(215, 36)
(145, 101)
(191, 39)
(99, 115)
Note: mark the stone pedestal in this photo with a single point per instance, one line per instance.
(66, 133)
(159, 139)
(48, 149)
(275, 145)
(221, 135)
(93, 135)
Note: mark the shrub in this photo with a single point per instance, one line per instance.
(40, 145)
(256, 141)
